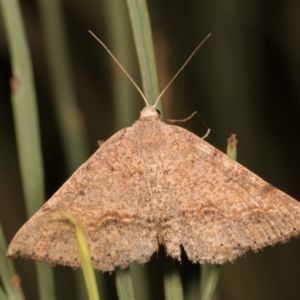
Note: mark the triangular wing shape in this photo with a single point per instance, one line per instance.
(103, 195)
(224, 208)
(155, 183)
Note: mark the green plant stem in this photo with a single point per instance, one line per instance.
(209, 279)
(143, 42)
(71, 122)
(7, 273)
(26, 126)
(24, 108)
(210, 273)
(3, 295)
(140, 281)
(231, 147)
(124, 284)
(172, 281)
(144, 46)
(140, 23)
(85, 259)
(120, 42)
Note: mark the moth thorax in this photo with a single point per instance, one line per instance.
(149, 112)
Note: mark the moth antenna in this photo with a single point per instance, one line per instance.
(189, 58)
(119, 64)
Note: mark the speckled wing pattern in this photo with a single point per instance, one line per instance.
(153, 184)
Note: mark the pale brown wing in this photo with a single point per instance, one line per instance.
(108, 197)
(155, 183)
(223, 209)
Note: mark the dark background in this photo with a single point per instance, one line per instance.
(244, 80)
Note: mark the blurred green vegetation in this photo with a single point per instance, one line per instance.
(244, 80)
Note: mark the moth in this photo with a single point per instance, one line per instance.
(157, 184)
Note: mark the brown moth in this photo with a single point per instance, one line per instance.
(151, 184)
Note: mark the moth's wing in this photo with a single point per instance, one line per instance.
(103, 195)
(223, 209)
